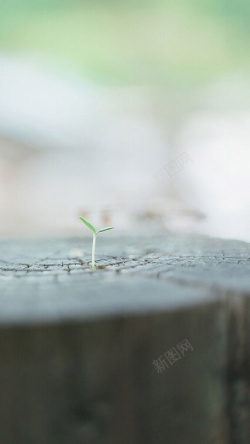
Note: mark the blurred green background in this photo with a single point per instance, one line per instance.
(132, 42)
(97, 97)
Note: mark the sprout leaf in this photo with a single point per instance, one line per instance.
(104, 229)
(88, 224)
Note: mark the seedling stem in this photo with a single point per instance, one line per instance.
(93, 252)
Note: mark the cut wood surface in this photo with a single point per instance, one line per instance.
(152, 347)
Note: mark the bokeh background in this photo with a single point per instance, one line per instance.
(135, 114)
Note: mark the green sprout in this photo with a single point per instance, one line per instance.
(94, 237)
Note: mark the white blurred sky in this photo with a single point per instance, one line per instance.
(68, 147)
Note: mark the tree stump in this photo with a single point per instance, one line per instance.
(152, 347)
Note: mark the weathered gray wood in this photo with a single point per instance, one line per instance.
(77, 348)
